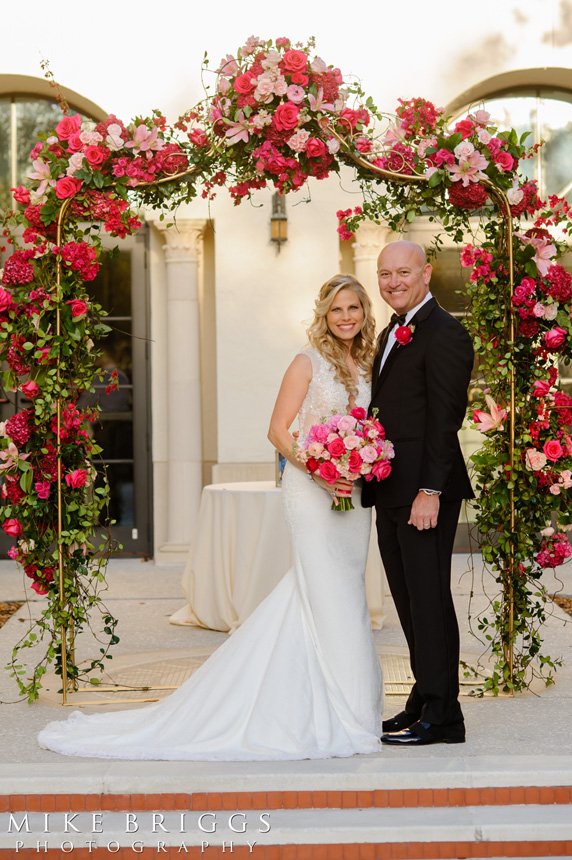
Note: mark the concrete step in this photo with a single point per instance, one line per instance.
(492, 830)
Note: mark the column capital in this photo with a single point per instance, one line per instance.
(182, 239)
(370, 238)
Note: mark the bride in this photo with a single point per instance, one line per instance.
(300, 679)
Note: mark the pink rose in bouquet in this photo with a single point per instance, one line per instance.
(349, 447)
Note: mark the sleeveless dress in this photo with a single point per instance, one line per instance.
(300, 679)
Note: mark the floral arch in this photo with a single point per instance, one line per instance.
(280, 114)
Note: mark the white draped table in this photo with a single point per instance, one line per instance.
(241, 550)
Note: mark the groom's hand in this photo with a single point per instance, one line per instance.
(424, 511)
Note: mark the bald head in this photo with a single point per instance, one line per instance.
(403, 275)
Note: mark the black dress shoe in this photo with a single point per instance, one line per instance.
(401, 721)
(422, 733)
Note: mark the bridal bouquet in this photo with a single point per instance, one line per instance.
(348, 446)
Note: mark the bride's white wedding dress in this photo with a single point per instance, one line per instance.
(300, 678)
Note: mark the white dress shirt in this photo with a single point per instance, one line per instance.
(391, 338)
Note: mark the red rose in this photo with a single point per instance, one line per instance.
(76, 479)
(403, 335)
(95, 155)
(243, 84)
(336, 447)
(465, 127)
(294, 61)
(300, 78)
(42, 489)
(381, 470)
(328, 472)
(21, 195)
(67, 186)
(359, 413)
(354, 462)
(540, 388)
(286, 116)
(13, 527)
(78, 307)
(554, 338)
(315, 148)
(30, 389)
(553, 450)
(504, 160)
(75, 143)
(68, 125)
(312, 464)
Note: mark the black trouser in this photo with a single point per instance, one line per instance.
(418, 568)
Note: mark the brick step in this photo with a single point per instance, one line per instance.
(520, 830)
(335, 799)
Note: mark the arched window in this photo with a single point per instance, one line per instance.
(27, 107)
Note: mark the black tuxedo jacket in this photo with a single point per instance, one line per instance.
(421, 398)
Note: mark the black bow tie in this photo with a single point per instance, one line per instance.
(397, 319)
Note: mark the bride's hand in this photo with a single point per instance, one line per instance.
(341, 487)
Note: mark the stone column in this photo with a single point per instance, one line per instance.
(369, 240)
(183, 247)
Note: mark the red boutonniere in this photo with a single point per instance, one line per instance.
(404, 334)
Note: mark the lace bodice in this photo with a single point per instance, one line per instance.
(325, 394)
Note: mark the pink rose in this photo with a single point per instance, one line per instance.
(504, 160)
(465, 127)
(337, 447)
(243, 84)
(553, 450)
(346, 422)
(540, 388)
(75, 143)
(328, 472)
(286, 116)
(78, 307)
(95, 155)
(21, 195)
(42, 489)
(67, 186)
(68, 125)
(352, 442)
(76, 479)
(13, 527)
(294, 61)
(381, 470)
(354, 462)
(30, 389)
(315, 148)
(5, 299)
(535, 460)
(198, 137)
(554, 338)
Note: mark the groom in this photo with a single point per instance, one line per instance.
(419, 387)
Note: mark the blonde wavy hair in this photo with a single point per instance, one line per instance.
(328, 345)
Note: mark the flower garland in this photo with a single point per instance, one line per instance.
(281, 114)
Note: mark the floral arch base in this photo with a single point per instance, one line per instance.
(279, 114)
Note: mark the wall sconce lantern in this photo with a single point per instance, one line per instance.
(278, 220)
